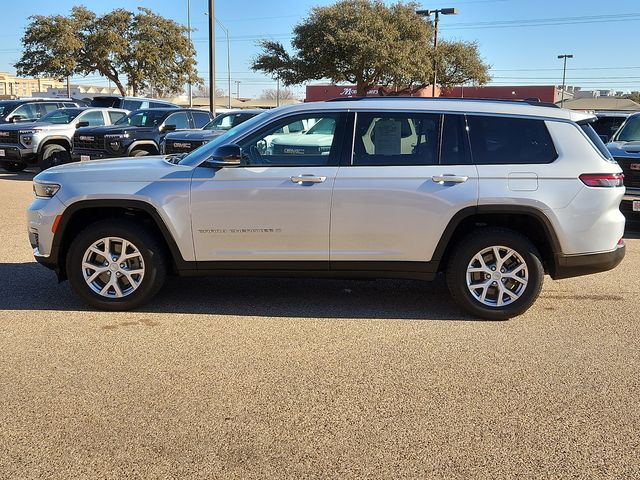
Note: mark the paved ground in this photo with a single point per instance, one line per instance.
(313, 379)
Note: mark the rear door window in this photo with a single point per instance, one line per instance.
(508, 140)
(390, 138)
(115, 116)
(180, 120)
(94, 118)
(200, 119)
(131, 105)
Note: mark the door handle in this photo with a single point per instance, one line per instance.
(310, 178)
(449, 178)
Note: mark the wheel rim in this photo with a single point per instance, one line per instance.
(497, 276)
(113, 267)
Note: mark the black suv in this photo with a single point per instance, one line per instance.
(32, 109)
(139, 133)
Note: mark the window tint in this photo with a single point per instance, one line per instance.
(200, 119)
(505, 140)
(453, 150)
(283, 144)
(115, 116)
(131, 105)
(396, 139)
(607, 125)
(180, 120)
(94, 118)
(69, 105)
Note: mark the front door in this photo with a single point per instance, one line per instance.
(410, 172)
(275, 206)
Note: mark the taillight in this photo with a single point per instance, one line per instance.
(603, 179)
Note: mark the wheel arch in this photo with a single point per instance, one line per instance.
(54, 140)
(80, 214)
(147, 145)
(529, 221)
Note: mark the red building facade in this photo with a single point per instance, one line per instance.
(546, 93)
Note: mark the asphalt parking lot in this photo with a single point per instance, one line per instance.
(246, 378)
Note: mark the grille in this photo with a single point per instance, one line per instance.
(12, 138)
(631, 175)
(181, 146)
(88, 142)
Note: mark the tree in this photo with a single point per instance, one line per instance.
(203, 91)
(369, 44)
(144, 47)
(635, 96)
(272, 94)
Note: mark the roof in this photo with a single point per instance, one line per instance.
(447, 105)
(602, 103)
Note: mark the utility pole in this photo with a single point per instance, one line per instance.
(212, 57)
(436, 13)
(190, 87)
(564, 77)
(68, 86)
(278, 92)
(237, 82)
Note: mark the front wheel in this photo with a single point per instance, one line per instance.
(495, 273)
(116, 265)
(54, 155)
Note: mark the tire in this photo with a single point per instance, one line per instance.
(139, 153)
(138, 282)
(13, 167)
(486, 278)
(54, 155)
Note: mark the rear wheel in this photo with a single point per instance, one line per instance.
(54, 155)
(116, 265)
(13, 167)
(495, 273)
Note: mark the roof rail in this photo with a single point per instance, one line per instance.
(530, 101)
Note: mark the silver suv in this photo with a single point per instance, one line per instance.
(494, 194)
(47, 142)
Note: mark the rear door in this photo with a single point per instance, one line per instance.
(407, 176)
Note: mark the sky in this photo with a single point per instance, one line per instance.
(520, 39)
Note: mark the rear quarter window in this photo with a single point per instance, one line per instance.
(509, 140)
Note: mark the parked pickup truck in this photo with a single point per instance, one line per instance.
(47, 142)
(139, 133)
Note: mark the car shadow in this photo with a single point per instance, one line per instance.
(29, 286)
(26, 176)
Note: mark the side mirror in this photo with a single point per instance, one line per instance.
(17, 118)
(225, 156)
(604, 138)
(169, 128)
(82, 124)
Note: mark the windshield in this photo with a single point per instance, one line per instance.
(143, 118)
(630, 131)
(63, 116)
(326, 126)
(200, 154)
(6, 108)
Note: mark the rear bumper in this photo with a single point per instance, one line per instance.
(567, 266)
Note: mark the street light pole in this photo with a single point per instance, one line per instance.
(564, 76)
(226, 32)
(212, 57)
(190, 87)
(436, 13)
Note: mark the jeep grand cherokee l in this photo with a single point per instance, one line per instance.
(493, 193)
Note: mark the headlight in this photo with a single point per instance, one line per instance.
(45, 190)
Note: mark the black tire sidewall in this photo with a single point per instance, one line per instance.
(152, 254)
(47, 155)
(474, 243)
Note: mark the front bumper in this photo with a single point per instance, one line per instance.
(567, 266)
(15, 153)
(76, 155)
